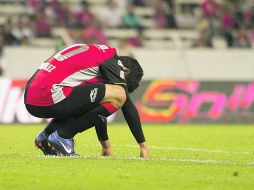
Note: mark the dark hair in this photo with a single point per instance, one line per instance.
(136, 72)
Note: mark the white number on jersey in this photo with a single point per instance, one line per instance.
(102, 47)
(60, 57)
(47, 67)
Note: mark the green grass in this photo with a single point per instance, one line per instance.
(206, 157)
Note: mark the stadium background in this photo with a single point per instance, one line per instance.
(197, 55)
(195, 99)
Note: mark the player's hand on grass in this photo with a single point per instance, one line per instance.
(143, 150)
(106, 152)
(106, 148)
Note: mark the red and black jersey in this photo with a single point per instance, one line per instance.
(75, 65)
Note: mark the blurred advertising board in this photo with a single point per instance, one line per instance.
(158, 101)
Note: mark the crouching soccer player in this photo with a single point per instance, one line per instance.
(79, 87)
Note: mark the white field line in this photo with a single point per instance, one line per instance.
(186, 160)
(183, 149)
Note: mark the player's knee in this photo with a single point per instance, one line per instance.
(120, 96)
(115, 94)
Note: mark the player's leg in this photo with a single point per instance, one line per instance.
(41, 140)
(110, 99)
(63, 143)
(64, 111)
(114, 98)
(100, 123)
(115, 95)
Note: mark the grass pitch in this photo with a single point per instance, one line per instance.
(206, 157)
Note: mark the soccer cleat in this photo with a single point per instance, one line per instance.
(41, 142)
(64, 147)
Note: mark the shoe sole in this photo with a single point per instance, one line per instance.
(47, 150)
(59, 153)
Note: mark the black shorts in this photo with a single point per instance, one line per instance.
(82, 99)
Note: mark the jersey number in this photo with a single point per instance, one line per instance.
(60, 57)
(102, 47)
(47, 67)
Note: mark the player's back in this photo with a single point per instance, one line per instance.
(70, 67)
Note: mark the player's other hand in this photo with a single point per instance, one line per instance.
(106, 152)
(106, 148)
(144, 150)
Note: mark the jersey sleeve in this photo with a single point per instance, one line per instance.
(101, 129)
(112, 71)
(131, 116)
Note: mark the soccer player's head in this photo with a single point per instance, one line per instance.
(133, 73)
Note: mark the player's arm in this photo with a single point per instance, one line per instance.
(131, 116)
(102, 134)
(113, 72)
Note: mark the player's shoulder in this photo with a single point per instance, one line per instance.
(103, 52)
(103, 48)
